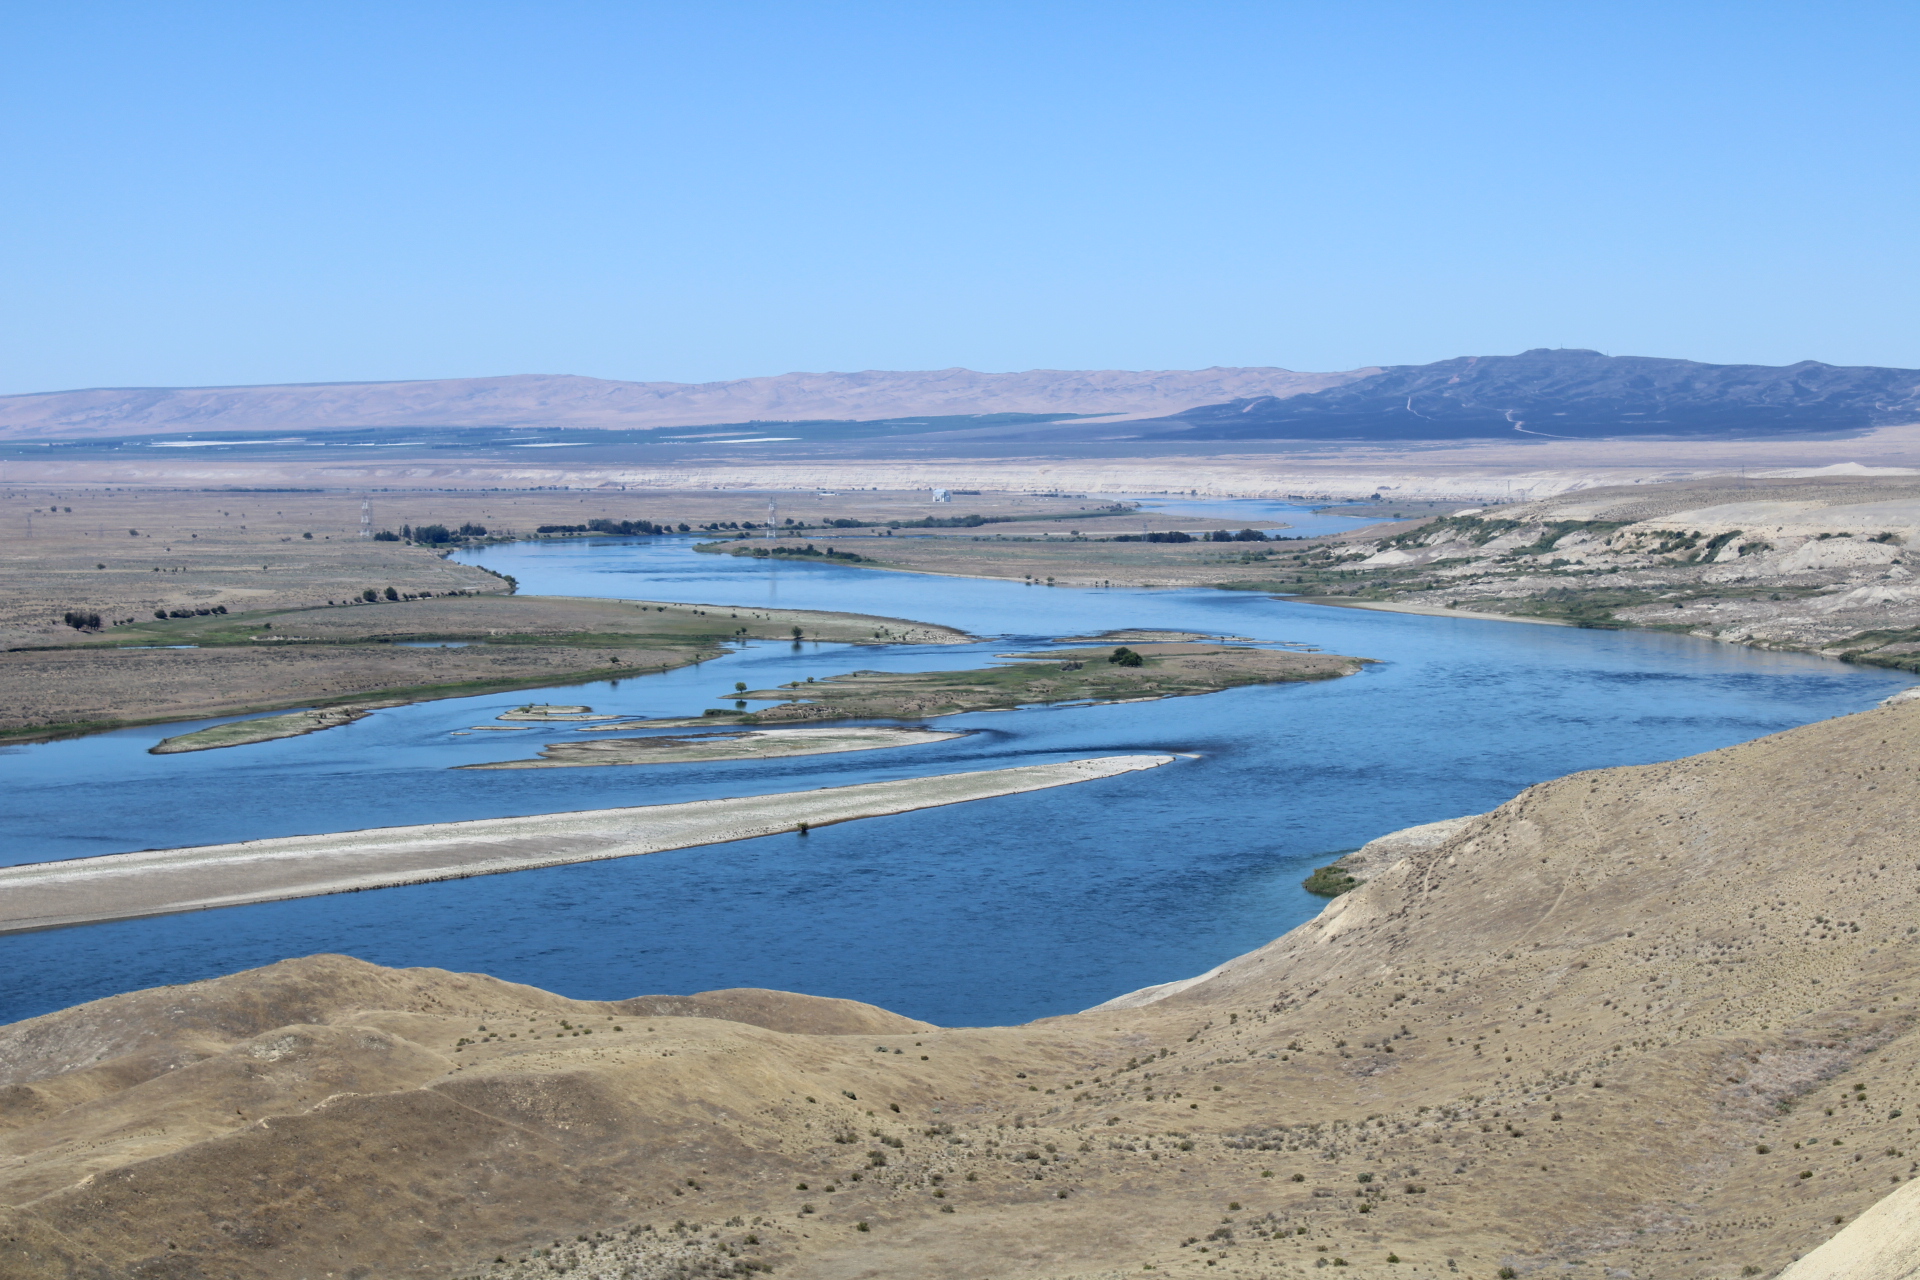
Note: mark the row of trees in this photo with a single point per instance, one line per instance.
(431, 534)
(1174, 535)
(625, 527)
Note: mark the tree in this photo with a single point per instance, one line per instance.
(797, 633)
(82, 620)
(739, 686)
(1125, 657)
(369, 595)
(392, 594)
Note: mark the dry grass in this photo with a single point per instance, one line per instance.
(1063, 675)
(345, 653)
(249, 551)
(1610, 1023)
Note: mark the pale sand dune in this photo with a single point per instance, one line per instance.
(125, 885)
(1881, 1244)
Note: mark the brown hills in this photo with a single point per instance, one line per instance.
(564, 400)
(1649, 1022)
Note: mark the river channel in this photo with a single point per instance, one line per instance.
(992, 912)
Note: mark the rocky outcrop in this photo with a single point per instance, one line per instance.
(1572, 394)
(1382, 852)
(1823, 565)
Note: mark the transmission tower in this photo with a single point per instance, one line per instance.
(773, 517)
(366, 517)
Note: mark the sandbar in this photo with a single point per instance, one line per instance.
(238, 733)
(738, 744)
(121, 886)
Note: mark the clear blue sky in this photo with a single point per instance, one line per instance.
(202, 193)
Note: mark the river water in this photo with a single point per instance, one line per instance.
(991, 912)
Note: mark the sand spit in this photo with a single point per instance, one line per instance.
(751, 745)
(239, 733)
(157, 882)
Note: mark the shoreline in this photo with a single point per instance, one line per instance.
(404, 695)
(1427, 610)
(125, 886)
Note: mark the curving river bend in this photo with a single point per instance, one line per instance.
(992, 912)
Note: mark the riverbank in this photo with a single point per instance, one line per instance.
(1426, 610)
(1652, 1030)
(342, 655)
(761, 744)
(122, 886)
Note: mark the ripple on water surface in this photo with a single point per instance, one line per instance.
(990, 912)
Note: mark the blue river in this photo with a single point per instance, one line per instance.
(992, 912)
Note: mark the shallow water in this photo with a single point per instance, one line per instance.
(990, 912)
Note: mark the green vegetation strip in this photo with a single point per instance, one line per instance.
(1122, 674)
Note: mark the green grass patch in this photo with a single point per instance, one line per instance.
(1329, 881)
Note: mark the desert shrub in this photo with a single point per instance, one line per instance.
(1329, 882)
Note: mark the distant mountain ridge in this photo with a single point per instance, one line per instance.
(1543, 393)
(563, 400)
(1566, 393)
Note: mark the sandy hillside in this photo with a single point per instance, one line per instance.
(1653, 1022)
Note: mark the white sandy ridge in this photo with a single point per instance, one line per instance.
(156, 882)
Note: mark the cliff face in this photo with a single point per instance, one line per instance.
(1657, 1020)
(1780, 563)
(1571, 394)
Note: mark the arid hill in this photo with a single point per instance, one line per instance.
(1570, 393)
(1649, 1022)
(552, 400)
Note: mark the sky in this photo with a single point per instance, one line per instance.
(214, 194)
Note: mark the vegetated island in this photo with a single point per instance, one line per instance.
(749, 744)
(240, 733)
(340, 657)
(1120, 674)
(123, 886)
